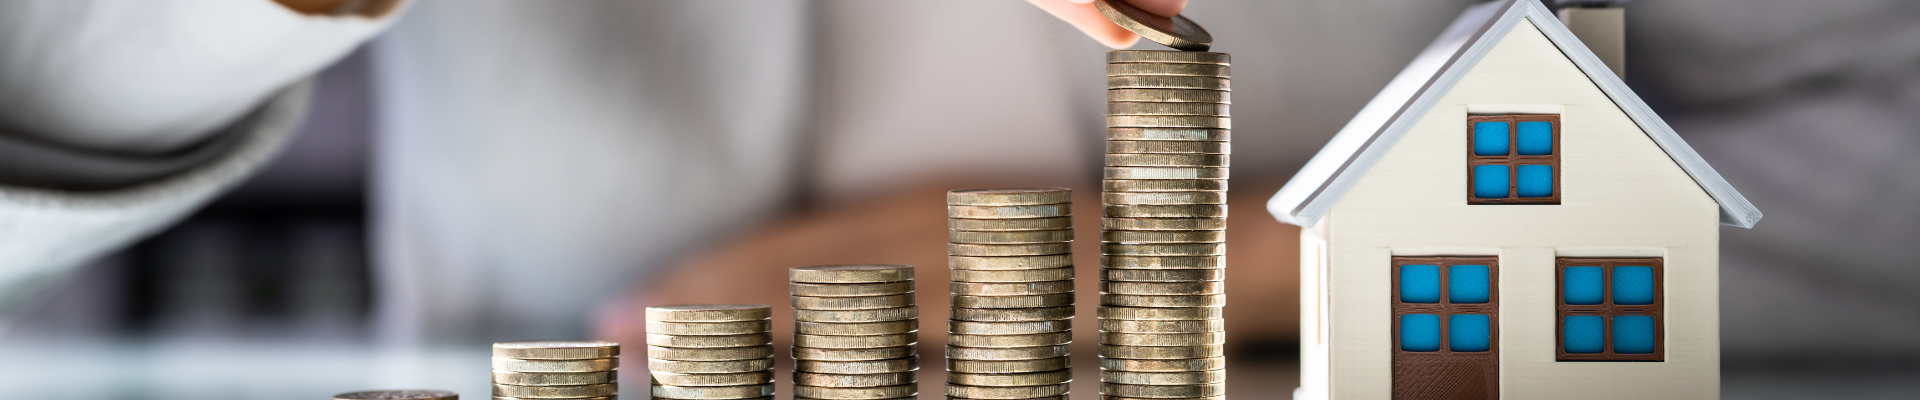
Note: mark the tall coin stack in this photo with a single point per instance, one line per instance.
(710, 351)
(1164, 229)
(855, 327)
(1012, 270)
(555, 370)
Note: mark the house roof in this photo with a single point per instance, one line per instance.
(1314, 190)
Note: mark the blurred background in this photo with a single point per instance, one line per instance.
(273, 291)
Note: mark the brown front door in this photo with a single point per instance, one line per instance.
(1446, 337)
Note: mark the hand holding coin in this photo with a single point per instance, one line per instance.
(1083, 15)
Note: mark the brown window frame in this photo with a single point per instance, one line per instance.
(1607, 310)
(1513, 159)
(1446, 307)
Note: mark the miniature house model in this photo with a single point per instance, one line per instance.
(1506, 219)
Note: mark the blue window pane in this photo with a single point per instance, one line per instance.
(1468, 332)
(1420, 332)
(1535, 138)
(1490, 181)
(1633, 286)
(1633, 334)
(1584, 334)
(1582, 285)
(1467, 284)
(1536, 180)
(1420, 283)
(1490, 138)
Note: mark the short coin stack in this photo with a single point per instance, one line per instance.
(1163, 235)
(855, 327)
(1012, 267)
(710, 351)
(555, 370)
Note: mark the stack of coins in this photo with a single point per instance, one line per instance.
(710, 351)
(1163, 235)
(555, 370)
(855, 327)
(1012, 293)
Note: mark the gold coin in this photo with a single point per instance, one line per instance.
(1164, 391)
(1195, 140)
(1181, 326)
(1024, 379)
(1214, 70)
(850, 289)
(1160, 313)
(1026, 340)
(1011, 314)
(757, 339)
(1187, 365)
(709, 328)
(1163, 224)
(712, 392)
(1006, 353)
(1165, 185)
(1162, 56)
(1163, 288)
(1162, 352)
(1008, 328)
(850, 273)
(1167, 211)
(855, 342)
(1009, 197)
(398, 395)
(1170, 95)
(1164, 378)
(852, 303)
(856, 329)
(1019, 275)
(876, 315)
(858, 367)
(1164, 249)
(997, 250)
(1136, 300)
(1167, 160)
(714, 354)
(548, 392)
(1010, 237)
(709, 312)
(1158, 108)
(876, 392)
(868, 354)
(1164, 262)
(1011, 289)
(556, 350)
(734, 379)
(1006, 366)
(1005, 392)
(1146, 237)
(1010, 263)
(1177, 31)
(1010, 212)
(519, 365)
(708, 367)
(1162, 121)
(1014, 224)
(1159, 198)
(1162, 339)
(1151, 275)
(1031, 301)
(862, 380)
(553, 378)
(1164, 173)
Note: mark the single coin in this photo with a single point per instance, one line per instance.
(1162, 352)
(1167, 211)
(715, 354)
(1164, 262)
(997, 250)
(855, 342)
(712, 392)
(1152, 275)
(1145, 237)
(1011, 314)
(1170, 82)
(1031, 301)
(1005, 392)
(553, 378)
(556, 349)
(1188, 365)
(757, 339)
(708, 367)
(876, 315)
(1014, 224)
(858, 367)
(850, 289)
(1010, 212)
(1009, 197)
(1164, 391)
(1010, 263)
(402, 394)
(1163, 378)
(1164, 173)
(1008, 328)
(862, 380)
(1010, 237)
(1165, 185)
(1026, 340)
(1162, 339)
(1184, 326)
(1164, 121)
(1168, 160)
(1164, 249)
(868, 354)
(574, 398)
(1006, 353)
(876, 392)
(852, 303)
(1214, 70)
(1153, 398)
(734, 379)
(1135, 300)
(1193, 138)
(1160, 313)
(1177, 31)
(709, 312)
(1156, 108)
(1158, 198)
(1168, 147)
(856, 329)
(1163, 288)
(1018, 275)
(1023, 379)
(850, 273)
(1007, 366)
(1161, 56)
(549, 392)
(709, 328)
(1170, 95)
(519, 365)
(1163, 224)
(1011, 289)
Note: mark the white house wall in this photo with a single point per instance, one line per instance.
(1621, 196)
